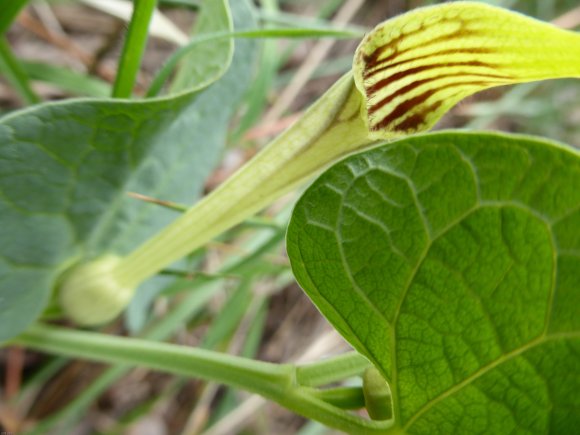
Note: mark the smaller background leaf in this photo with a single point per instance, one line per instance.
(67, 168)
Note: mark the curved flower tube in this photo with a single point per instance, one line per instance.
(407, 73)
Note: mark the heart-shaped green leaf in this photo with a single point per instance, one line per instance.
(67, 167)
(452, 261)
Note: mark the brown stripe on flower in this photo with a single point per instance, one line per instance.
(450, 51)
(418, 118)
(376, 87)
(372, 108)
(413, 122)
(372, 60)
(370, 68)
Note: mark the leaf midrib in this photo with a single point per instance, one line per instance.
(432, 238)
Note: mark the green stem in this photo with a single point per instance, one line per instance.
(8, 13)
(259, 377)
(193, 303)
(198, 293)
(377, 394)
(192, 4)
(12, 70)
(273, 381)
(342, 397)
(332, 370)
(134, 48)
(331, 129)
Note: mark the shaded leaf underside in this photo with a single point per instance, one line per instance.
(452, 261)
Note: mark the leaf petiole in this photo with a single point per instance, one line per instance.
(277, 382)
(332, 369)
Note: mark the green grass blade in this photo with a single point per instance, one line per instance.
(9, 11)
(133, 48)
(67, 80)
(11, 69)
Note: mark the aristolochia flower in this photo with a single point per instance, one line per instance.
(407, 73)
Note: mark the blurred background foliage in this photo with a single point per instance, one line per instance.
(237, 294)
